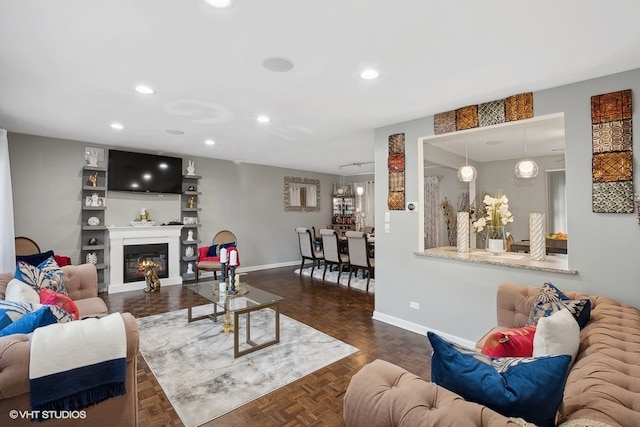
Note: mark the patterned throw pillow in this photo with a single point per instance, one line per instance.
(551, 299)
(45, 275)
(10, 311)
(514, 342)
(525, 387)
(45, 315)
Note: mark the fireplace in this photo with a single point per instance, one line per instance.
(121, 237)
(137, 257)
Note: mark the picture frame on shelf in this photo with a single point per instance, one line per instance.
(190, 220)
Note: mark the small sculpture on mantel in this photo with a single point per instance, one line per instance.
(191, 169)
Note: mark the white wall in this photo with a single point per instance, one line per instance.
(459, 298)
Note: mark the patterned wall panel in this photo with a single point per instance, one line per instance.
(516, 107)
(612, 155)
(395, 165)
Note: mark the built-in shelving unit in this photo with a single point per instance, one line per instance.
(93, 228)
(343, 213)
(189, 208)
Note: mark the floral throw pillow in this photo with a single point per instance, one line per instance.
(47, 274)
(551, 299)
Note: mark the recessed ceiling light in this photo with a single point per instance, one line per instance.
(278, 65)
(145, 90)
(174, 131)
(263, 119)
(210, 142)
(117, 126)
(369, 74)
(220, 4)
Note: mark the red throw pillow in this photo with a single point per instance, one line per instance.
(49, 297)
(62, 260)
(516, 342)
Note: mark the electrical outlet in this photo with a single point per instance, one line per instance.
(414, 305)
(387, 216)
(387, 228)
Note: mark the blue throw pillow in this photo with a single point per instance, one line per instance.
(526, 387)
(551, 299)
(227, 245)
(212, 251)
(11, 311)
(28, 323)
(34, 259)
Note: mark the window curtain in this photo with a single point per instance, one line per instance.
(366, 202)
(311, 196)
(7, 235)
(294, 196)
(557, 207)
(431, 211)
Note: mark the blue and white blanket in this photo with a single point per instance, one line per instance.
(78, 364)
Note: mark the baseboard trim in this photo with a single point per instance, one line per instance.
(268, 266)
(420, 329)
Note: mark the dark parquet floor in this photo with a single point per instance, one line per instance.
(315, 400)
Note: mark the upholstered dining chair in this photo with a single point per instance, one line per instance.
(209, 256)
(359, 255)
(332, 255)
(307, 250)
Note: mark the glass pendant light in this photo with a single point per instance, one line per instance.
(466, 173)
(526, 168)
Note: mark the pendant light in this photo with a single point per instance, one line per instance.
(466, 173)
(526, 168)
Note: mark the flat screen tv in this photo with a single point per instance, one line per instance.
(144, 173)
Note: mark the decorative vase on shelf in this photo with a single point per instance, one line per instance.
(496, 242)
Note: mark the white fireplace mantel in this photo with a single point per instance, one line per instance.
(119, 237)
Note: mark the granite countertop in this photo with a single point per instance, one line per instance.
(551, 263)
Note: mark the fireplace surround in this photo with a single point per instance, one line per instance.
(150, 243)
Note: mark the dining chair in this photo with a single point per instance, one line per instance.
(317, 238)
(332, 254)
(207, 261)
(26, 246)
(359, 255)
(307, 250)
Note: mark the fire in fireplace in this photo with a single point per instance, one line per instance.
(137, 257)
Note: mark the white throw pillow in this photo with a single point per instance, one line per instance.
(557, 334)
(22, 292)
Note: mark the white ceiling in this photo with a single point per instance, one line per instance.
(68, 69)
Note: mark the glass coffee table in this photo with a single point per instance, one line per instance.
(249, 299)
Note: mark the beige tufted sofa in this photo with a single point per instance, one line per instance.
(602, 388)
(82, 286)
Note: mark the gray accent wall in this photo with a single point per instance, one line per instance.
(458, 298)
(245, 198)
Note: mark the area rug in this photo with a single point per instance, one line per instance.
(331, 276)
(194, 363)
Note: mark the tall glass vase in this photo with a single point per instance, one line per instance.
(496, 242)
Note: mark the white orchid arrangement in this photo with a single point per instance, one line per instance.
(496, 213)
